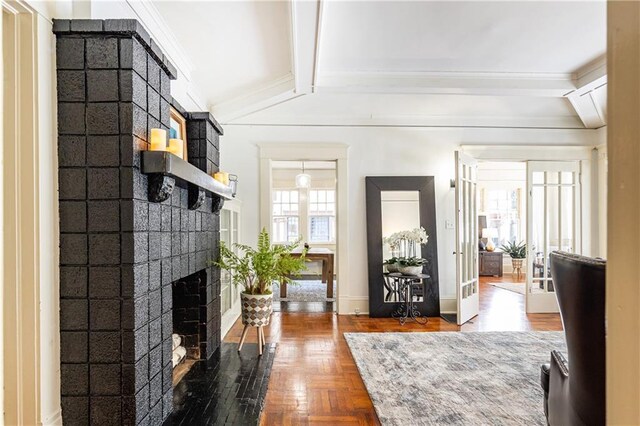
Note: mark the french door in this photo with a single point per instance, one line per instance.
(467, 284)
(229, 293)
(553, 223)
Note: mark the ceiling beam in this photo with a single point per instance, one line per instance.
(453, 83)
(305, 36)
(305, 32)
(424, 121)
(591, 79)
(259, 99)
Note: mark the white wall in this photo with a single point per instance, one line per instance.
(373, 151)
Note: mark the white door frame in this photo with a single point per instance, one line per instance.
(20, 219)
(317, 152)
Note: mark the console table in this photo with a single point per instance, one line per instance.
(490, 263)
(403, 286)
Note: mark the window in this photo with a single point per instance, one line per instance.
(322, 215)
(285, 216)
(502, 208)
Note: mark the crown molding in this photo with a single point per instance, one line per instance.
(155, 24)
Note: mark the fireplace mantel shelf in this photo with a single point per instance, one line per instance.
(167, 164)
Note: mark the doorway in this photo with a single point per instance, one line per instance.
(502, 227)
(525, 210)
(303, 198)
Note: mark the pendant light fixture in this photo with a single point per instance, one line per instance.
(303, 180)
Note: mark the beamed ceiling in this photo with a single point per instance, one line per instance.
(487, 64)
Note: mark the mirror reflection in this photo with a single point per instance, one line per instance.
(402, 241)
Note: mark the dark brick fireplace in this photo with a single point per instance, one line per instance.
(122, 257)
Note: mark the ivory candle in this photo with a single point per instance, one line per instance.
(176, 147)
(219, 176)
(222, 177)
(158, 140)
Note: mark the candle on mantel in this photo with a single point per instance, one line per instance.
(176, 147)
(222, 177)
(158, 140)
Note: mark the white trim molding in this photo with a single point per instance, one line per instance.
(21, 223)
(337, 152)
(456, 83)
(260, 98)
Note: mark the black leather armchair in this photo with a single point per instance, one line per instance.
(576, 395)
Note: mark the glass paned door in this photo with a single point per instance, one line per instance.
(225, 276)
(553, 223)
(230, 217)
(466, 238)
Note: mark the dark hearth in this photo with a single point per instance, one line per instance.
(190, 313)
(120, 252)
(228, 389)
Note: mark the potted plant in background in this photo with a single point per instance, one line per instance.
(518, 253)
(404, 245)
(392, 264)
(256, 270)
(411, 265)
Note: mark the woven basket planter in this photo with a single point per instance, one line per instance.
(256, 309)
(517, 263)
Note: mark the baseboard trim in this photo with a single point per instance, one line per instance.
(53, 419)
(349, 304)
(353, 305)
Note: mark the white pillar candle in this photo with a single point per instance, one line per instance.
(176, 147)
(158, 140)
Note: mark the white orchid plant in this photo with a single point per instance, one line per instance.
(404, 243)
(416, 236)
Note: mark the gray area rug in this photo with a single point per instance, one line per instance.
(455, 378)
(304, 291)
(515, 287)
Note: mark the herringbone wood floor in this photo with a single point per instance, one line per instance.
(314, 378)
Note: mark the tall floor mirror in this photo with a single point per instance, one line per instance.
(402, 247)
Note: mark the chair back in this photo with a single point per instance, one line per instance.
(579, 283)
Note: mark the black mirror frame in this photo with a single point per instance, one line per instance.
(425, 185)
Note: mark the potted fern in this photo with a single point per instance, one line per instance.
(255, 269)
(517, 252)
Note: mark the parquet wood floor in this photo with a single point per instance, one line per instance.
(314, 379)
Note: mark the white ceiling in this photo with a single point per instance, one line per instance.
(503, 64)
(476, 36)
(235, 47)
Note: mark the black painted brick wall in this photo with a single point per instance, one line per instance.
(203, 133)
(120, 253)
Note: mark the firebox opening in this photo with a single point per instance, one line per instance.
(189, 322)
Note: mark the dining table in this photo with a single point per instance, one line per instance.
(323, 255)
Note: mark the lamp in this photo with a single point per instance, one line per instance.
(303, 180)
(490, 234)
